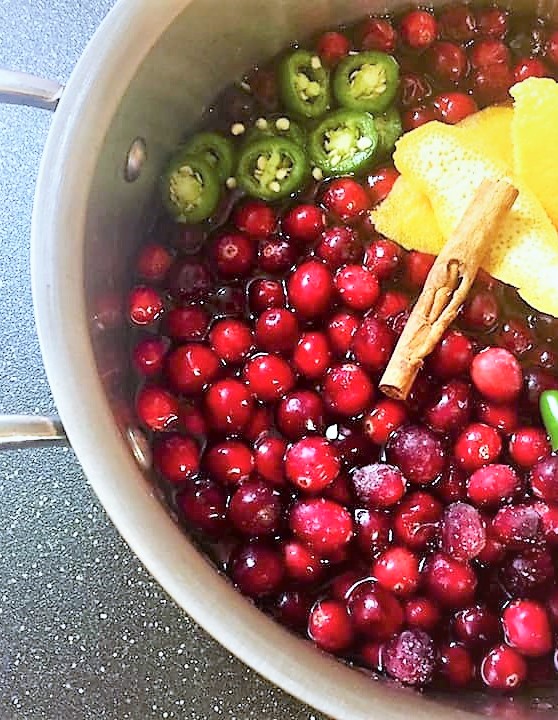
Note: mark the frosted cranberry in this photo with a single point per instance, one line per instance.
(148, 356)
(372, 531)
(379, 485)
(527, 628)
(176, 457)
(345, 198)
(417, 267)
(191, 367)
(417, 520)
(417, 116)
(528, 445)
(383, 258)
(255, 218)
(258, 423)
(463, 531)
(256, 569)
(340, 331)
(552, 47)
(322, 524)
(312, 464)
(453, 107)
(186, 323)
(234, 254)
(384, 418)
(291, 608)
(448, 61)
(153, 262)
(490, 485)
(329, 626)
(452, 356)
(497, 374)
(481, 312)
(450, 582)
(379, 183)
(338, 246)
(503, 668)
(476, 626)
(418, 29)
(275, 254)
(193, 421)
(301, 564)
(311, 355)
(229, 300)
(357, 286)
(276, 330)
(410, 657)
(373, 344)
(375, 612)
(269, 452)
(266, 294)
(492, 22)
(229, 405)
(456, 665)
(347, 389)
(527, 573)
(413, 89)
(418, 452)
(303, 223)
(457, 23)
(450, 486)
(529, 67)
(230, 462)
(269, 377)
(156, 407)
(189, 280)
(422, 613)
(255, 509)
(517, 526)
(397, 570)
(310, 288)
(544, 478)
(484, 53)
(299, 413)
(492, 83)
(549, 519)
(536, 381)
(332, 46)
(145, 305)
(202, 504)
(451, 407)
(476, 446)
(377, 34)
(230, 340)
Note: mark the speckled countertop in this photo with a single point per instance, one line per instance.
(84, 630)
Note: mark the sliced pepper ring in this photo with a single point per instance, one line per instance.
(390, 129)
(367, 81)
(344, 142)
(304, 84)
(190, 188)
(217, 150)
(272, 168)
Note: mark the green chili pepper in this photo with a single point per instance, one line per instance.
(304, 84)
(548, 404)
(389, 129)
(272, 168)
(276, 126)
(366, 81)
(217, 150)
(190, 188)
(344, 142)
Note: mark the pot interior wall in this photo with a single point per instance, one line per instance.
(207, 47)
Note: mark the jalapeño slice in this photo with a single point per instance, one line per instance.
(366, 81)
(389, 129)
(272, 168)
(304, 84)
(344, 142)
(190, 188)
(217, 150)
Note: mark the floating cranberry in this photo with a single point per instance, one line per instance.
(229, 405)
(418, 452)
(303, 223)
(377, 34)
(202, 504)
(176, 457)
(476, 446)
(329, 626)
(258, 423)
(193, 420)
(417, 116)
(456, 665)
(189, 280)
(490, 485)
(375, 612)
(516, 337)
(255, 509)
(528, 445)
(536, 381)
(503, 668)
(476, 626)
(276, 330)
(269, 377)
(549, 519)
(148, 356)
(383, 258)
(347, 389)
(345, 198)
(255, 218)
(452, 356)
(230, 462)
(527, 628)
(371, 655)
(300, 564)
(371, 531)
(422, 613)
(463, 531)
(492, 22)
(492, 83)
(457, 23)
(339, 245)
(450, 582)
(484, 53)
(418, 29)
(373, 344)
(186, 323)
(417, 267)
(527, 573)
(275, 254)
(529, 67)
(416, 522)
(190, 368)
(410, 657)
(312, 464)
(299, 413)
(341, 330)
(451, 407)
(497, 374)
(413, 89)
(379, 183)
(156, 407)
(231, 340)
(453, 107)
(234, 254)
(448, 61)
(322, 524)
(332, 46)
(502, 417)
(229, 300)
(544, 478)
(451, 485)
(145, 305)
(357, 286)
(481, 312)
(291, 608)
(397, 570)
(256, 569)
(310, 288)
(266, 294)
(153, 262)
(517, 526)
(269, 452)
(384, 418)
(379, 485)
(311, 355)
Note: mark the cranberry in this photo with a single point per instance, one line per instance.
(176, 457)
(234, 254)
(492, 83)
(417, 519)
(417, 116)
(372, 531)
(301, 564)
(497, 374)
(231, 340)
(148, 356)
(357, 286)
(516, 337)
(339, 245)
(341, 330)
(418, 452)
(303, 223)
(410, 657)
(375, 612)
(379, 183)
(269, 451)
(329, 626)
(384, 418)
(275, 254)
(312, 464)
(422, 613)
(340, 491)
(453, 107)
(383, 258)
(451, 407)
(456, 665)
(492, 484)
(450, 582)
(393, 305)
(191, 367)
(255, 509)
(481, 312)
(450, 486)
(345, 198)
(552, 47)
(153, 263)
(347, 389)
(229, 301)
(256, 569)
(397, 570)
(552, 606)
(156, 407)
(322, 524)
(503, 668)
(527, 628)
(463, 531)
(529, 67)
(292, 608)
(311, 356)
(377, 34)
(145, 305)
(452, 356)
(413, 89)
(549, 519)
(189, 280)
(371, 655)
(310, 288)
(193, 421)
(536, 381)
(492, 22)
(332, 46)
(299, 413)
(186, 323)
(476, 446)
(517, 526)
(373, 344)
(188, 238)
(476, 626)
(527, 573)
(229, 405)
(502, 417)
(488, 52)
(255, 218)
(448, 62)
(230, 462)
(544, 478)
(457, 23)
(266, 294)
(269, 377)
(276, 330)
(417, 267)
(258, 423)
(379, 485)
(202, 504)
(418, 29)
(528, 445)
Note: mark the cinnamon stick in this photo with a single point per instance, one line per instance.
(447, 285)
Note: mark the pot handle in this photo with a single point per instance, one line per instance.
(17, 88)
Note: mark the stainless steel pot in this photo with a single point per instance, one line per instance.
(144, 79)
